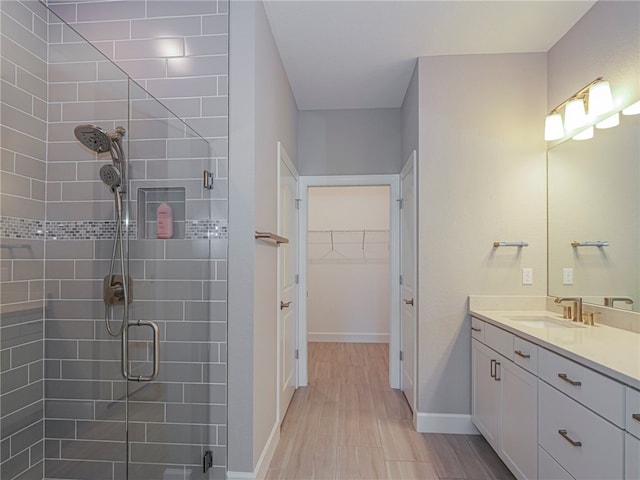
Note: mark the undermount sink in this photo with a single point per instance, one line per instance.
(543, 321)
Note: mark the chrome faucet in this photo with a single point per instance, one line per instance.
(577, 306)
(609, 301)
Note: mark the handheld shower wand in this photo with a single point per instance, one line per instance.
(116, 289)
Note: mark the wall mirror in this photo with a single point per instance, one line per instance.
(594, 199)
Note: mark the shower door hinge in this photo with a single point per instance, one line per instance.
(401, 356)
(400, 279)
(297, 354)
(298, 200)
(207, 180)
(400, 203)
(207, 461)
(297, 278)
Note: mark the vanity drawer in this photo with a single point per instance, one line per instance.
(632, 417)
(499, 340)
(597, 451)
(599, 393)
(631, 458)
(477, 329)
(548, 468)
(525, 354)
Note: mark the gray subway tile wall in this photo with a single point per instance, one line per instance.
(23, 53)
(74, 429)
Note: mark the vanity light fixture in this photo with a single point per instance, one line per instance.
(633, 109)
(596, 97)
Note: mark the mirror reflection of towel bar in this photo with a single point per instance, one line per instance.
(510, 244)
(590, 244)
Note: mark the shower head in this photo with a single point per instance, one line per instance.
(110, 175)
(93, 137)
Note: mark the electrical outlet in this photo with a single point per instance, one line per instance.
(527, 276)
(567, 276)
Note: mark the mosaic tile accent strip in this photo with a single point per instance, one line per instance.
(28, 229)
(23, 228)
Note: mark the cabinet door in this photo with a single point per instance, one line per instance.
(485, 392)
(519, 421)
(632, 458)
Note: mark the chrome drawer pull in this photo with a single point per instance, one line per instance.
(564, 377)
(636, 416)
(496, 377)
(476, 329)
(492, 371)
(564, 435)
(520, 354)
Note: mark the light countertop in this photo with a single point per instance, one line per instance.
(611, 351)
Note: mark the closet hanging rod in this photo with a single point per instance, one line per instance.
(271, 237)
(510, 244)
(359, 230)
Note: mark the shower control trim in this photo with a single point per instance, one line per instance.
(113, 290)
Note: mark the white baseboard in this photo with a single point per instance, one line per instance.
(445, 423)
(266, 456)
(348, 337)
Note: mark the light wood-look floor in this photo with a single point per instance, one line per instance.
(348, 424)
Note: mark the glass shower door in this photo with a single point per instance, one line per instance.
(98, 425)
(171, 238)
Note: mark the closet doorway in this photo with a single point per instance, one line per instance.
(349, 261)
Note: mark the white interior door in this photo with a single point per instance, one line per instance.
(408, 272)
(287, 280)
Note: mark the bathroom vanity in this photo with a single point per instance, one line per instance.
(555, 399)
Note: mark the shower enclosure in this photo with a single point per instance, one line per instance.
(112, 335)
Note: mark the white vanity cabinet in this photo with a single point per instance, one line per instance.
(632, 438)
(631, 457)
(504, 400)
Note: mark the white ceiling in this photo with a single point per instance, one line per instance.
(361, 54)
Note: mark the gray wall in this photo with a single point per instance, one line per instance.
(263, 112)
(481, 179)
(23, 97)
(410, 104)
(350, 142)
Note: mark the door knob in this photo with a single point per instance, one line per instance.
(284, 305)
(409, 302)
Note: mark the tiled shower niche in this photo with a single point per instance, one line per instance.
(150, 200)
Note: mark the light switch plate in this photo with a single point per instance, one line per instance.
(527, 276)
(567, 276)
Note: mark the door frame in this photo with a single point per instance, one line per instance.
(283, 156)
(393, 182)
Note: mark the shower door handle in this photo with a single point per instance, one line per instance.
(156, 351)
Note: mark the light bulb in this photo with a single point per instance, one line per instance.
(612, 121)
(574, 115)
(600, 99)
(586, 134)
(553, 129)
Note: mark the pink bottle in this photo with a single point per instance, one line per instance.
(164, 214)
